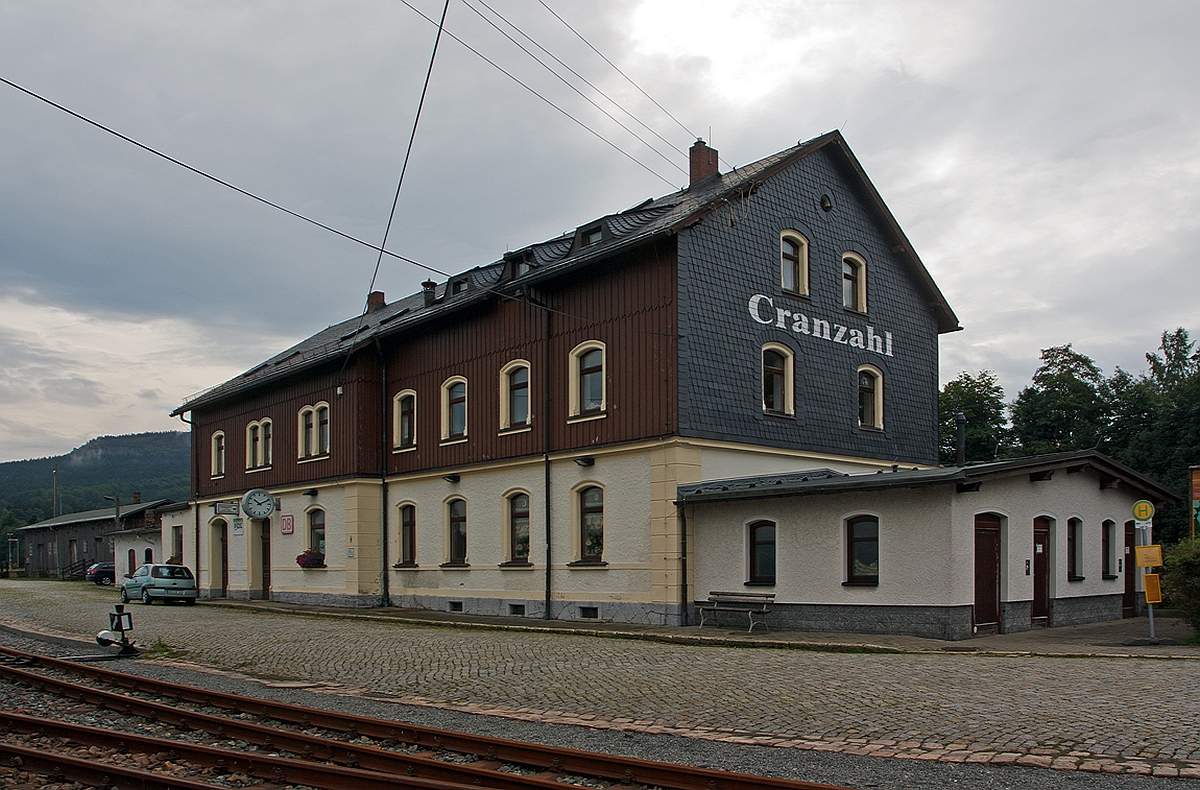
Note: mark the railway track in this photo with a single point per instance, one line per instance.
(276, 744)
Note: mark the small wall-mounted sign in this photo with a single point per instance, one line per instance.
(287, 524)
(239, 526)
(350, 552)
(226, 508)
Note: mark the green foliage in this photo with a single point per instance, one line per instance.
(981, 400)
(1064, 408)
(1181, 580)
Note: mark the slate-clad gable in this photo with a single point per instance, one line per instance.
(734, 254)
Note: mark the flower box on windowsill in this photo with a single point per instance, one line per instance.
(310, 559)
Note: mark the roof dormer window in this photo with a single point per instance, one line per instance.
(458, 286)
(591, 236)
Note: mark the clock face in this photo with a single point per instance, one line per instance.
(258, 503)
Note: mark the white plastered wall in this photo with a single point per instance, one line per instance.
(625, 478)
(917, 552)
(1064, 496)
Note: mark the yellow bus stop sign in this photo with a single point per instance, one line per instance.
(1153, 588)
(1149, 556)
(1143, 510)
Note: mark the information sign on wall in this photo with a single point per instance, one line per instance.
(239, 526)
(287, 524)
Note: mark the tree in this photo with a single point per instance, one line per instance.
(1178, 363)
(1181, 580)
(1064, 408)
(981, 400)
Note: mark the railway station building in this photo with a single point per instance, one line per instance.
(559, 434)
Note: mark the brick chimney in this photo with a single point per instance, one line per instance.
(137, 497)
(429, 287)
(375, 301)
(703, 161)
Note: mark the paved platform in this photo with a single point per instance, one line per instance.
(1070, 698)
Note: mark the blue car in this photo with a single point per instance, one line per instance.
(103, 573)
(155, 582)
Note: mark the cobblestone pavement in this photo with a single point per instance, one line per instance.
(1106, 714)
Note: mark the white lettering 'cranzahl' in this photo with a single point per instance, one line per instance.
(764, 311)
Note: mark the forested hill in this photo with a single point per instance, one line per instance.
(155, 464)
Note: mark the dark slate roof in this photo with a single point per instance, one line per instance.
(631, 228)
(103, 514)
(826, 481)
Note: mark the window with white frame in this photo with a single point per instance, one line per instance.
(316, 531)
(514, 396)
(456, 522)
(854, 283)
(404, 420)
(591, 524)
(408, 534)
(862, 550)
(760, 536)
(1075, 550)
(778, 377)
(218, 454)
(870, 397)
(312, 424)
(793, 263)
(1108, 545)
(518, 527)
(454, 409)
(588, 388)
(259, 444)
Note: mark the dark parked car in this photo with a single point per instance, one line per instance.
(102, 573)
(160, 583)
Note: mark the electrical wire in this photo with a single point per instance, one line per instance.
(408, 153)
(564, 81)
(217, 180)
(626, 76)
(568, 115)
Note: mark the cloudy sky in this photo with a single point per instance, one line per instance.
(1043, 158)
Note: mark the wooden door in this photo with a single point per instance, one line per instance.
(987, 574)
(1129, 568)
(1039, 612)
(266, 559)
(221, 549)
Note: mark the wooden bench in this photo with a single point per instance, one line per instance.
(756, 606)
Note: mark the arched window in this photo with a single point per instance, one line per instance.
(218, 455)
(793, 263)
(456, 512)
(862, 550)
(316, 531)
(454, 409)
(514, 396)
(588, 387)
(854, 283)
(258, 444)
(408, 534)
(777, 379)
(761, 540)
(591, 524)
(518, 527)
(870, 397)
(149, 555)
(404, 420)
(1108, 542)
(313, 429)
(1075, 550)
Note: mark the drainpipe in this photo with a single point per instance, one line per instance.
(683, 561)
(546, 447)
(195, 505)
(385, 585)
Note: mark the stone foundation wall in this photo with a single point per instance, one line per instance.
(934, 622)
(1084, 609)
(1014, 616)
(583, 611)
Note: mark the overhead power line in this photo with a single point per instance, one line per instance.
(217, 180)
(532, 90)
(623, 74)
(579, 76)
